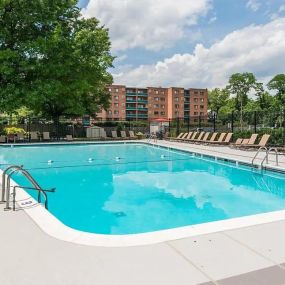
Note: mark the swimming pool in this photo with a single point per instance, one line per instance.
(120, 189)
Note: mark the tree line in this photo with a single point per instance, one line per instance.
(244, 93)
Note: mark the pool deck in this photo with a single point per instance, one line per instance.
(252, 255)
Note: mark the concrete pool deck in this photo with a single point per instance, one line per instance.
(249, 255)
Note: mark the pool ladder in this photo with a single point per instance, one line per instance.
(152, 137)
(6, 186)
(265, 159)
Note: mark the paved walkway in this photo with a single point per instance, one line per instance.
(253, 255)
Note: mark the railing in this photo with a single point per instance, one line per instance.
(6, 186)
(267, 154)
(152, 137)
(259, 150)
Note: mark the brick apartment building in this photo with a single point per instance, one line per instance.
(149, 103)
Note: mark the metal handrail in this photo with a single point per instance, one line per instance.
(4, 179)
(267, 154)
(259, 150)
(152, 137)
(31, 188)
(6, 186)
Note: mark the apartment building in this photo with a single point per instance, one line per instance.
(131, 103)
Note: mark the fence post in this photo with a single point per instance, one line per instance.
(188, 124)
(177, 126)
(232, 121)
(214, 121)
(199, 122)
(283, 127)
(255, 122)
(29, 128)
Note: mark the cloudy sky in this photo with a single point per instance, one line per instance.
(192, 43)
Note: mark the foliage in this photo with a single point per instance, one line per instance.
(52, 60)
(13, 131)
(218, 98)
(278, 83)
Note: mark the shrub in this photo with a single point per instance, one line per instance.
(14, 131)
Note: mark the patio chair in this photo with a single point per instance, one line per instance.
(46, 136)
(124, 135)
(199, 137)
(188, 136)
(204, 139)
(114, 135)
(263, 142)
(132, 135)
(181, 138)
(250, 141)
(237, 143)
(20, 137)
(103, 134)
(34, 136)
(178, 137)
(220, 139)
(192, 137)
(3, 139)
(213, 137)
(69, 138)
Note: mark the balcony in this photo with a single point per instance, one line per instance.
(131, 108)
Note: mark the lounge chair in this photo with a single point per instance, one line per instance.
(192, 137)
(237, 143)
(213, 137)
(34, 136)
(114, 134)
(222, 141)
(3, 139)
(181, 138)
(250, 141)
(46, 136)
(69, 138)
(178, 137)
(124, 135)
(199, 137)
(20, 137)
(103, 134)
(263, 142)
(188, 136)
(132, 135)
(204, 139)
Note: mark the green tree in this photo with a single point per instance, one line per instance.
(278, 83)
(52, 60)
(240, 85)
(218, 98)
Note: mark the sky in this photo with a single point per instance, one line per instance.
(192, 43)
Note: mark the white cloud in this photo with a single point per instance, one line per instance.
(254, 5)
(281, 9)
(259, 49)
(212, 20)
(146, 23)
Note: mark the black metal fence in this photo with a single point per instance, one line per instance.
(242, 125)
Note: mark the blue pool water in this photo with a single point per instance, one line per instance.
(137, 188)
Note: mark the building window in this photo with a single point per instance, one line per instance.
(116, 105)
(162, 106)
(176, 106)
(175, 91)
(116, 97)
(162, 99)
(176, 99)
(156, 91)
(201, 113)
(202, 99)
(202, 93)
(195, 113)
(162, 92)
(156, 106)
(117, 90)
(156, 98)
(110, 89)
(196, 107)
(156, 112)
(162, 113)
(116, 112)
(201, 106)
(177, 114)
(109, 112)
(195, 92)
(195, 99)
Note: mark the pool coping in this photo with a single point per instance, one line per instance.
(55, 228)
